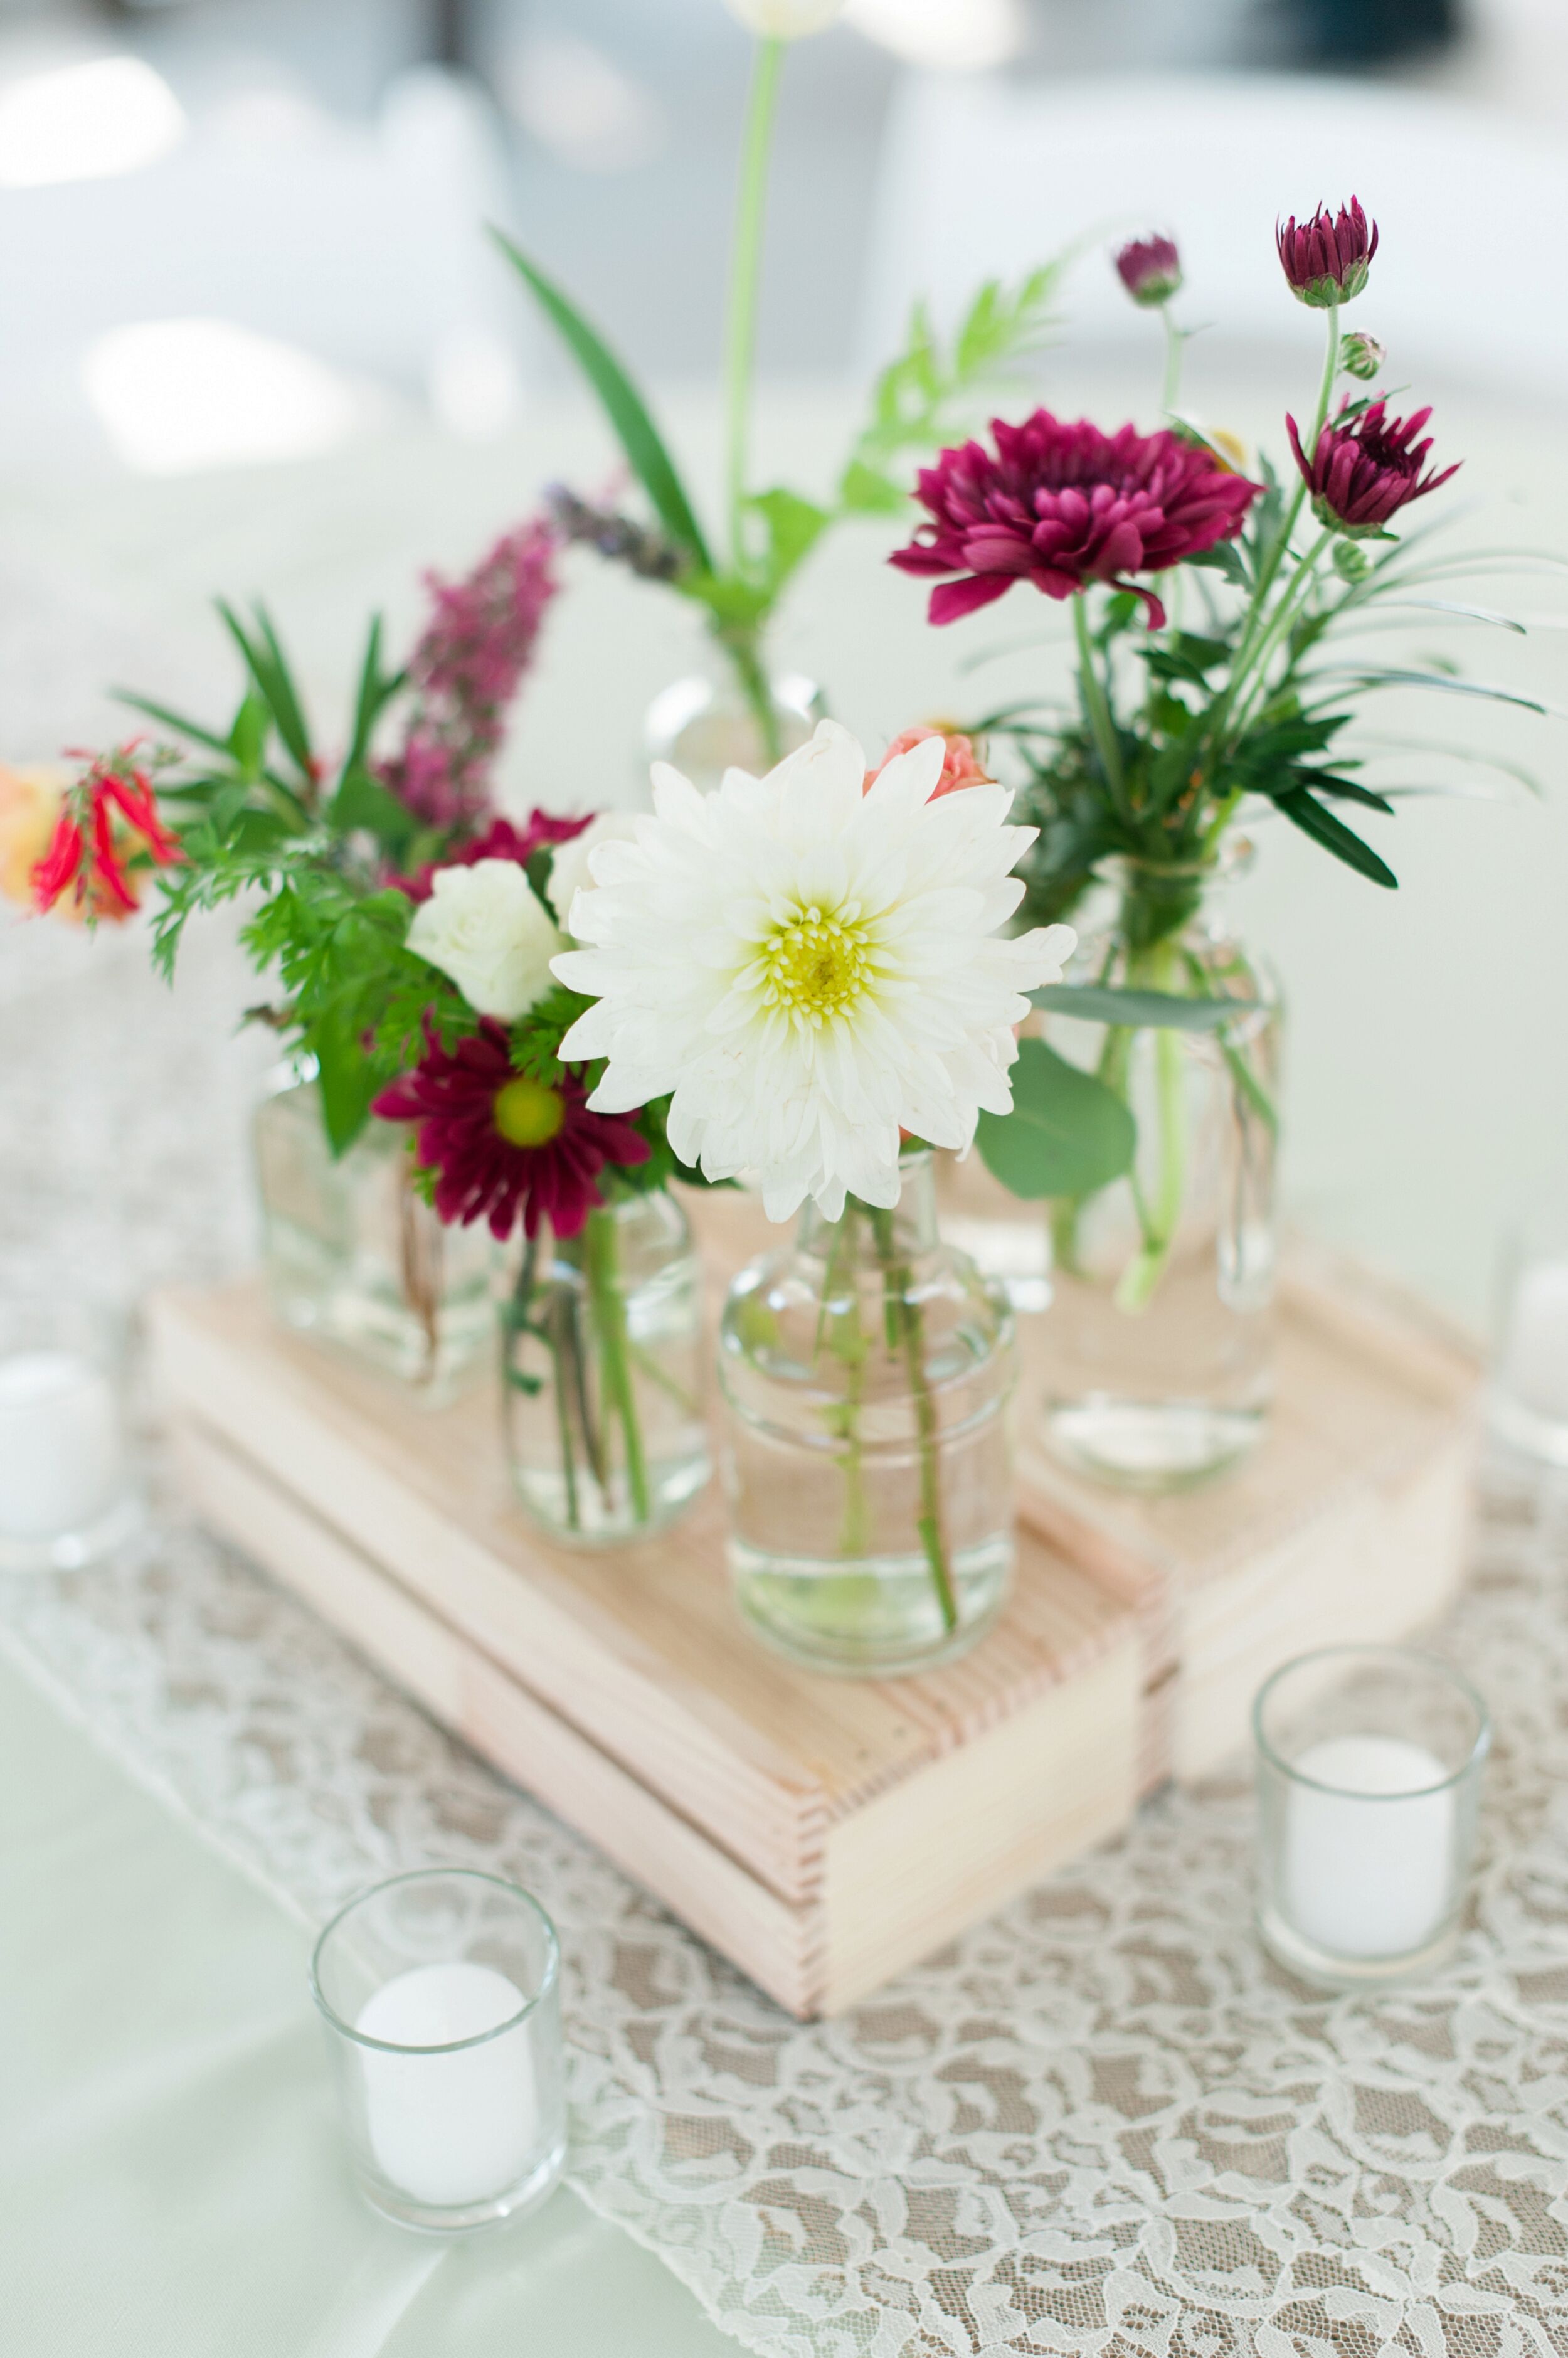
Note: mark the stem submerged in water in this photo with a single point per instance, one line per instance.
(906, 1328)
(607, 1310)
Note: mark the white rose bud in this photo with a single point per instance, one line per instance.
(784, 21)
(483, 926)
(572, 869)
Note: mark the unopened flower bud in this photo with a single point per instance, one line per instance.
(1361, 356)
(1151, 270)
(1329, 258)
(1351, 561)
(784, 21)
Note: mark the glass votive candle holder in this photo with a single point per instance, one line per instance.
(1527, 1395)
(67, 1496)
(441, 1995)
(1369, 1761)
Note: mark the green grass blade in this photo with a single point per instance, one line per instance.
(623, 405)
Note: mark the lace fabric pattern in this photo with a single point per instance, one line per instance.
(1102, 2122)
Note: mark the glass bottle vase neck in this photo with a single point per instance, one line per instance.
(867, 1231)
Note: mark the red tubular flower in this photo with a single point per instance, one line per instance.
(85, 853)
(1151, 270)
(503, 1144)
(1328, 259)
(1364, 469)
(500, 840)
(1061, 505)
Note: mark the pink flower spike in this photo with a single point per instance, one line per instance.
(476, 647)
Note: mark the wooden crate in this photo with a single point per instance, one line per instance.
(1349, 1523)
(822, 1832)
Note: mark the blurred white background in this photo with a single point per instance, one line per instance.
(254, 341)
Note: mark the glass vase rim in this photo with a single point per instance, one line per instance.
(1367, 1652)
(548, 1980)
(1230, 857)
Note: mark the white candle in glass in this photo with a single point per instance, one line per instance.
(61, 1458)
(457, 2127)
(1369, 1867)
(1534, 1359)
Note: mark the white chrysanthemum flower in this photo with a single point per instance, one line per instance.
(810, 966)
(484, 926)
(571, 870)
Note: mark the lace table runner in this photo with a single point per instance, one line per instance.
(1100, 2123)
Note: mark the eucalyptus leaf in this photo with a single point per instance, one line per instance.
(1067, 1134)
(1140, 1011)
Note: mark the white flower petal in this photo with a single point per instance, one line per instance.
(485, 927)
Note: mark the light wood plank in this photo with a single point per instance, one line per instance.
(777, 1945)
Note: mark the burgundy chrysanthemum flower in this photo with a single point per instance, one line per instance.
(1329, 258)
(504, 1144)
(1151, 270)
(1061, 505)
(500, 840)
(1364, 469)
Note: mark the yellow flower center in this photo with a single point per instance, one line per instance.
(816, 966)
(526, 1113)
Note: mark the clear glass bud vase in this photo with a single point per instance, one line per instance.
(603, 1362)
(355, 1257)
(1159, 1339)
(866, 1374)
(704, 727)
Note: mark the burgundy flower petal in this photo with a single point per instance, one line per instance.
(1067, 504)
(1364, 469)
(452, 1097)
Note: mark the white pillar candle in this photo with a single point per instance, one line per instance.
(1368, 1877)
(61, 1460)
(458, 2127)
(1534, 1359)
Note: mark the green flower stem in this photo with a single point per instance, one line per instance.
(744, 271)
(1174, 342)
(1257, 621)
(609, 1310)
(904, 1317)
(1284, 614)
(562, 1357)
(1160, 1218)
(757, 690)
(1095, 701)
(650, 1366)
(843, 1337)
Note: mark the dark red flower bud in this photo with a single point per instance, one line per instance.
(1327, 259)
(1151, 270)
(1366, 467)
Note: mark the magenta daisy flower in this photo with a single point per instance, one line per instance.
(1061, 505)
(1363, 471)
(502, 1143)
